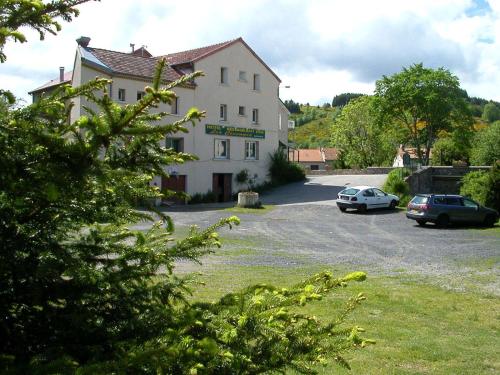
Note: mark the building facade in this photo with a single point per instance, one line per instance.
(245, 119)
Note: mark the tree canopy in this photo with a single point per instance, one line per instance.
(357, 133)
(424, 101)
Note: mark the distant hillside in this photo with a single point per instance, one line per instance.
(312, 126)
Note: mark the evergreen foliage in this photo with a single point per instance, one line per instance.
(35, 14)
(395, 184)
(344, 99)
(283, 171)
(292, 106)
(491, 112)
(81, 292)
(483, 187)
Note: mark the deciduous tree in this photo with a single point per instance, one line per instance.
(424, 101)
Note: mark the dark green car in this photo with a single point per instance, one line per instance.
(443, 209)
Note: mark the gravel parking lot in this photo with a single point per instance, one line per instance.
(305, 227)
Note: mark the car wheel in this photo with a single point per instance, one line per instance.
(342, 209)
(421, 222)
(393, 204)
(362, 208)
(443, 221)
(489, 220)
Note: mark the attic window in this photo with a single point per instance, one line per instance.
(242, 76)
(256, 82)
(140, 95)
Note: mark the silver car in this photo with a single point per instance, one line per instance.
(443, 209)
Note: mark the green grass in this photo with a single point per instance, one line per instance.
(258, 211)
(419, 328)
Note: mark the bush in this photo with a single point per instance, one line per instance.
(483, 187)
(208, 197)
(283, 171)
(395, 184)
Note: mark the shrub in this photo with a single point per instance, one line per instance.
(395, 184)
(483, 187)
(208, 197)
(283, 171)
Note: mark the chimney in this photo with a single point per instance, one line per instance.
(61, 74)
(132, 45)
(83, 41)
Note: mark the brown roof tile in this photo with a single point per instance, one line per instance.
(330, 153)
(132, 65)
(307, 155)
(54, 82)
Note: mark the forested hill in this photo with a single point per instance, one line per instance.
(313, 123)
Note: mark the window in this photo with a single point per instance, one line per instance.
(368, 193)
(221, 150)
(140, 95)
(256, 82)
(251, 150)
(453, 201)
(223, 112)
(177, 144)
(470, 203)
(314, 167)
(242, 76)
(379, 193)
(121, 95)
(241, 110)
(255, 116)
(174, 107)
(223, 76)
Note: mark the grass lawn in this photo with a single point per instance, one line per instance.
(419, 327)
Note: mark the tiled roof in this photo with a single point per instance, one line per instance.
(192, 55)
(307, 155)
(411, 151)
(128, 64)
(54, 82)
(330, 153)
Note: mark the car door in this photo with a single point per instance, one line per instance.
(471, 212)
(369, 198)
(382, 199)
(454, 208)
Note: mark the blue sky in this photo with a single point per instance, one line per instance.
(320, 48)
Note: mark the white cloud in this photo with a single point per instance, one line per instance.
(320, 48)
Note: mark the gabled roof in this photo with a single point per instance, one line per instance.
(330, 153)
(127, 63)
(197, 54)
(54, 83)
(141, 64)
(307, 155)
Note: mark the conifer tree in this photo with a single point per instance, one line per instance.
(81, 292)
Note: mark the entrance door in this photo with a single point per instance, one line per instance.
(174, 183)
(222, 186)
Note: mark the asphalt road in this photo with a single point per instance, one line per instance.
(306, 227)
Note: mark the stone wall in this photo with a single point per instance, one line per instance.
(439, 179)
(369, 170)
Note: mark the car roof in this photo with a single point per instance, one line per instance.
(361, 187)
(440, 195)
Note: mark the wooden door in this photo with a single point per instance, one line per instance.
(174, 183)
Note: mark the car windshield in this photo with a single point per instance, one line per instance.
(419, 199)
(349, 191)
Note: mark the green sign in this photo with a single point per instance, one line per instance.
(232, 131)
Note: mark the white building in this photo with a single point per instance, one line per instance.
(245, 119)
